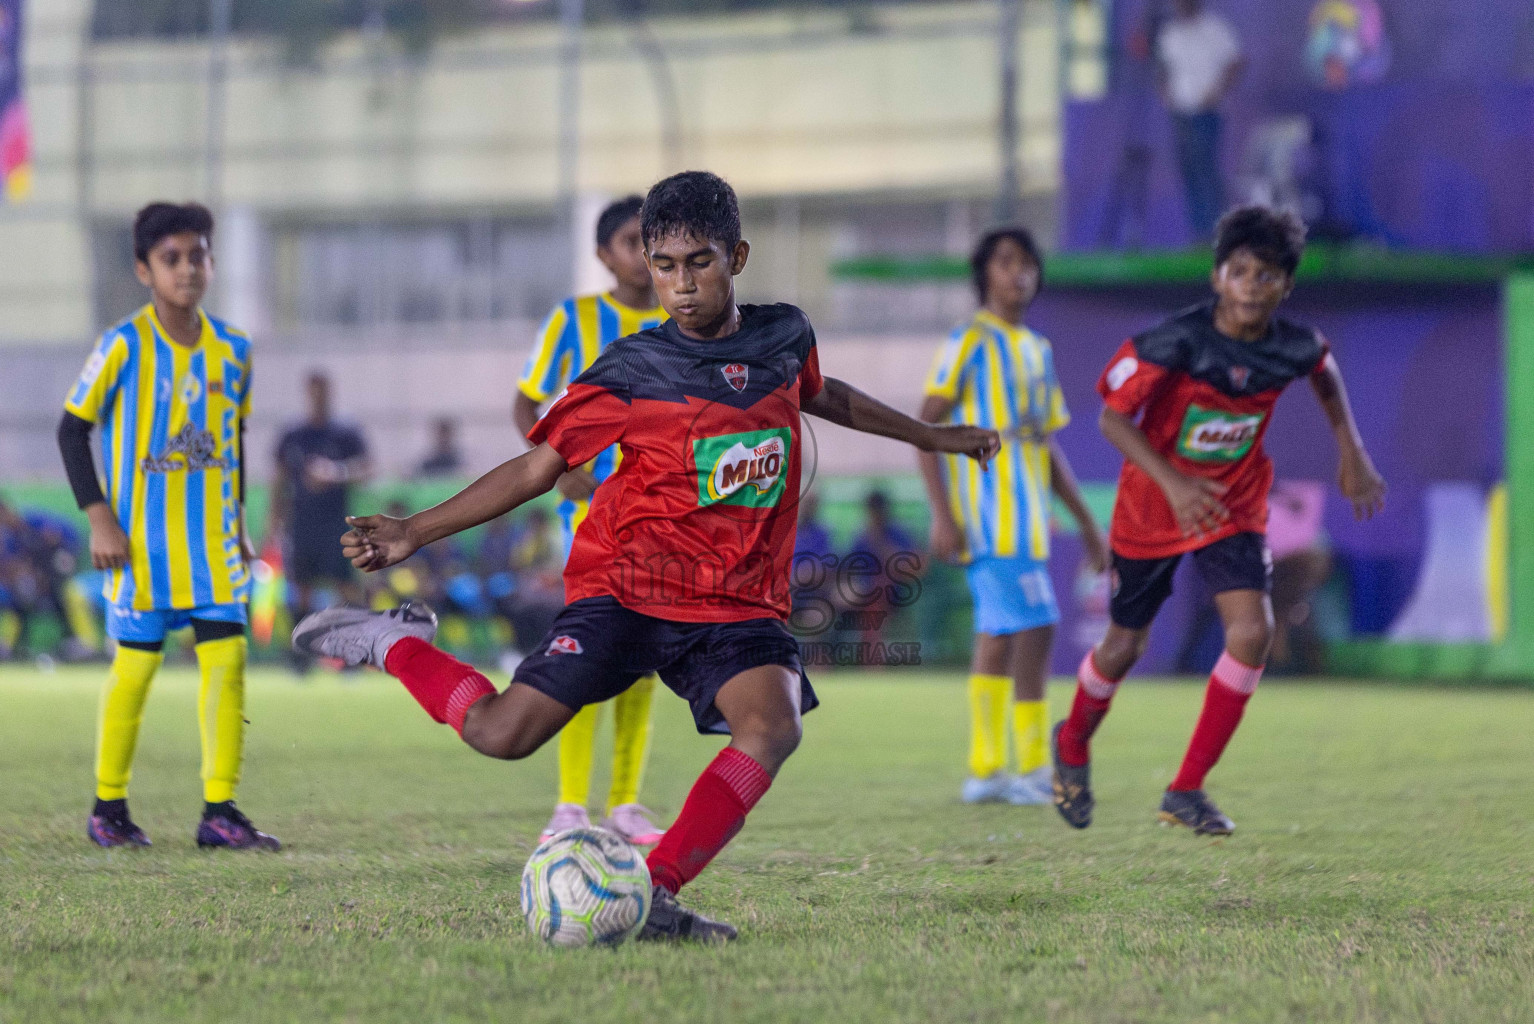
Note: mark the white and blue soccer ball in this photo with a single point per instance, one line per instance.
(585, 887)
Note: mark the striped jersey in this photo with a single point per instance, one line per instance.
(570, 340)
(170, 451)
(1001, 376)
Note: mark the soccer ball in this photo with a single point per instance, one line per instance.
(585, 886)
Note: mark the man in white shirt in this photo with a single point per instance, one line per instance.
(1198, 58)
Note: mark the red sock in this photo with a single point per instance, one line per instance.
(714, 812)
(1230, 687)
(1094, 692)
(442, 684)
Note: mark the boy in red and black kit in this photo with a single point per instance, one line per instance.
(1188, 403)
(681, 566)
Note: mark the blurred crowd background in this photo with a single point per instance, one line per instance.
(405, 188)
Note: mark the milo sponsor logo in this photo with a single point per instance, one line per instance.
(742, 469)
(1211, 435)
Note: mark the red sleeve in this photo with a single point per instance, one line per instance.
(582, 423)
(810, 380)
(1129, 382)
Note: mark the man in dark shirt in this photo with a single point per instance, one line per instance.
(444, 459)
(318, 461)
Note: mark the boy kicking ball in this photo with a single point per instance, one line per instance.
(681, 566)
(1188, 404)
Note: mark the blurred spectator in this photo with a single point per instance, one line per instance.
(318, 461)
(812, 538)
(814, 571)
(445, 459)
(537, 568)
(1302, 564)
(879, 547)
(37, 560)
(1198, 58)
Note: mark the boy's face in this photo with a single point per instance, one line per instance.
(177, 269)
(1011, 276)
(623, 256)
(1250, 288)
(695, 279)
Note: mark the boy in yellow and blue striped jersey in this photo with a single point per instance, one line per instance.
(574, 334)
(995, 372)
(170, 389)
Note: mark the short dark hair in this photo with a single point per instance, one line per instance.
(615, 216)
(986, 248)
(1273, 236)
(697, 203)
(161, 220)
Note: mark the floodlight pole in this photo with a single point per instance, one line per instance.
(572, 14)
(220, 13)
(650, 50)
(1007, 134)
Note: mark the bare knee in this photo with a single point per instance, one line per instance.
(1249, 639)
(769, 740)
(1119, 650)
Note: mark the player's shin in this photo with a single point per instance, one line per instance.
(989, 698)
(121, 713)
(577, 754)
(1031, 721)
(1094, 694)
(221, 715)
(631, 741)
(1231, 685)
(713, 814)
(439, 682)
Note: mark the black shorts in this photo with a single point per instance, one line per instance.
(1142, 585)
(597, 648)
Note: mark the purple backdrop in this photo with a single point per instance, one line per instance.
(1424, 371)
(1439, 154)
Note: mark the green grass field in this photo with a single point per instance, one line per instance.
(1381, 870)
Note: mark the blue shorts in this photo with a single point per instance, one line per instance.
(151, 627)
(1011, 595)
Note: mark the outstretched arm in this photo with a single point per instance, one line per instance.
(1360, 482)
(377, 542)
(844, 405)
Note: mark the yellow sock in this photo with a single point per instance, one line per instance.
(121, 712)
(631, 741)
(221, 715)
(988, 700)
(1031, 718)
(577, 750)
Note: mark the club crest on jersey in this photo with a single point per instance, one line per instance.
(1239, 375)
(735, 375)
(747, 469)
(191, 389)
(565, 644)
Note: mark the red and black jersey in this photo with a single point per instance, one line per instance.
(697, 523)
(1203, 401)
